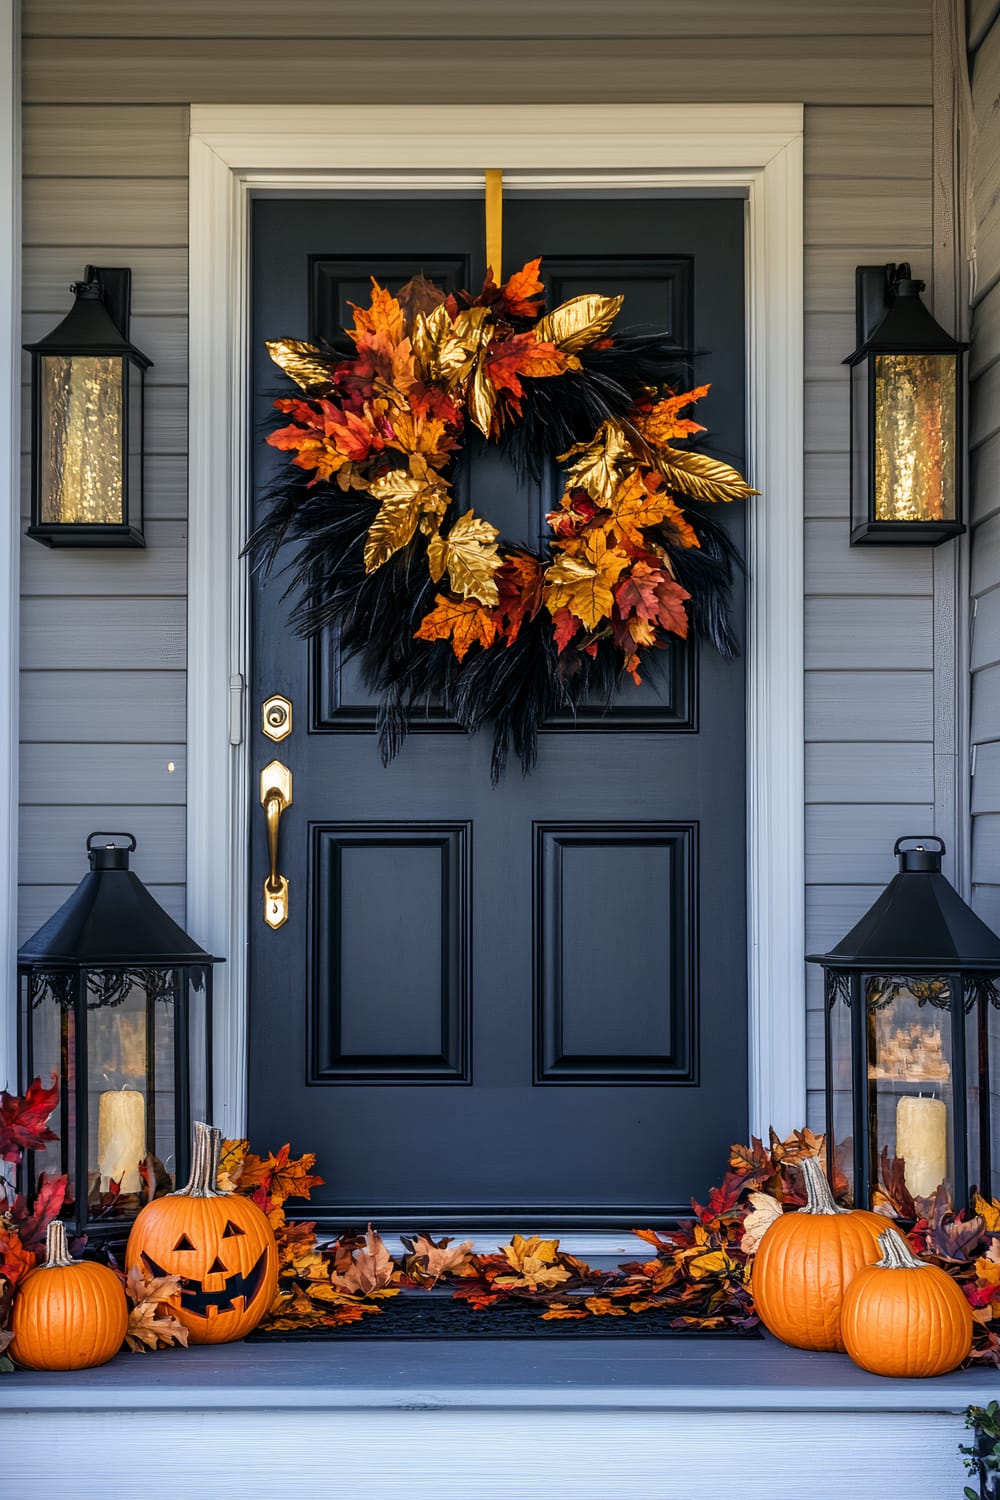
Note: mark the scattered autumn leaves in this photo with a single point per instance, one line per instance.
(389, 420)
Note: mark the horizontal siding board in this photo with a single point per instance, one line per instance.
(986, 849)
(827, 486)
(832, 910)
(848, 70)
(853, 705)
(454, 19)
(986, 705)
(986, 555)
(868, 142)
(53, 840)
(985, 333)
(880, 770)
(160, 568)
(164, 340)
(829, 338)
(835, 207)
(165, 487)
(71, 774)
(103, 707)
(986, 904)
(159, 277)
(110, 634)
(986, 781)
(826, 416)
(984, 479)
(833, 566)
(986, 631)
(985, 72)
(828, 271)
(36, 903)
(984, 407)
(854, 844)
(851, 634)
(105, 140)
(105, 211)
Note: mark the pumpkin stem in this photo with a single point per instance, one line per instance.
(206, 1146)
(896, 1253)
(819, 1199)
(56, 1248)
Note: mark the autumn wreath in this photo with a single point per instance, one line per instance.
(436, 606)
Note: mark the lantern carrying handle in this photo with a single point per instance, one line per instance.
(130, 836)
(920, 839)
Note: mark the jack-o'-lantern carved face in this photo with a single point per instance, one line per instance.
(220, 1246)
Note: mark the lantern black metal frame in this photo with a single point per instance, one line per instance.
(96, 325)
(891, 319)
(919, 936)
(109, 937)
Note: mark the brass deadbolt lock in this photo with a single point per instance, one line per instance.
(276, 718)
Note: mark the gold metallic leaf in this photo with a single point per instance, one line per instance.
(576, 323)
(469, 554)
(304, 364)
(599, 464)
(701, 477)
(447, 352)
(406, 496)
(482, 399)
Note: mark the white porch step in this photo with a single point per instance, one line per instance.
(573, 1419)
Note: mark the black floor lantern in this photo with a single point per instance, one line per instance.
(913, 1038)
(116, 1000)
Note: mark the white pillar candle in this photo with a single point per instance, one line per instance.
(121, 1139)
(922, 1142)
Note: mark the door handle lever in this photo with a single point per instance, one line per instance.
(275, 797)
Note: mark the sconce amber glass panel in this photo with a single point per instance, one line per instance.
(915, 421)
(80, 468)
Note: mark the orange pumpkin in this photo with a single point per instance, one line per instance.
(68, 1314)
(219, 1244)
(807, 1260)
(905, 1317)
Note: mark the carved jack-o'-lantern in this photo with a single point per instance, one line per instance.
(219, 1244)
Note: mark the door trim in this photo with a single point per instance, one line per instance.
(756, 149)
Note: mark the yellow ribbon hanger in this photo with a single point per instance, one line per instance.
(494, 223)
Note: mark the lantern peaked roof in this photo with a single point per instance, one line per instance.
(919, 924)
(111, 919)
(907, 326)
(89, 327)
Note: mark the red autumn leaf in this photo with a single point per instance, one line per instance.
(48, 1201)
(521, 354)
(24, 1119)
(15, 1257)
(576, 512)
(518, 290)
(648, 599)
(564, 627)
(519, 584)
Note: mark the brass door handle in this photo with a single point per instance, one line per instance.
(275, 797)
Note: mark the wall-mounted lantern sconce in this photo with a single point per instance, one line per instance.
(87, 383)
(907, 416)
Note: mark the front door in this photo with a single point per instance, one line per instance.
(523, 1004)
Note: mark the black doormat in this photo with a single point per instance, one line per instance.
(427, 1315)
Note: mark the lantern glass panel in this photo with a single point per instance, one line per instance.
(914, 438)
(860, 387)
(51, 1027)
(910, 1080)
(118, 1103)
(841, 1091)
(80, 432)
(982, 1050)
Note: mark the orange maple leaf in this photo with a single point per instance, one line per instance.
(662, 423)
(519, 583)
(517, 291)
(383, 316)
(464, 622)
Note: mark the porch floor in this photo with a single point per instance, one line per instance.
(497, 1420)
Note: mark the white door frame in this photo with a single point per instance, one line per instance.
(757, 149)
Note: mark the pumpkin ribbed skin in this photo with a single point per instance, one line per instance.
(903, 1317)
(215, 1242)
(68, 1315)
(805, 1263)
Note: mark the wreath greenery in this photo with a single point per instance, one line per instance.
(437, 606)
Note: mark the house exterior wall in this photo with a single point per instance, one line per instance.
(984, 418)
(106, 89)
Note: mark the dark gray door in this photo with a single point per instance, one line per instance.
(524, 1003)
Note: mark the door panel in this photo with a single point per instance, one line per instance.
(492, 1004)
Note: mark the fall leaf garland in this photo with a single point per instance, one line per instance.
(438, 606)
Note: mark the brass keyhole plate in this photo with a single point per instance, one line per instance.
(276, 718)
